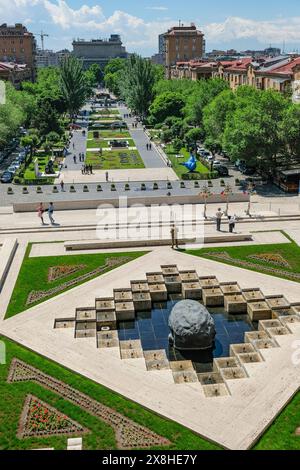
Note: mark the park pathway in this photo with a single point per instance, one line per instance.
(151, 158)
(79, 142)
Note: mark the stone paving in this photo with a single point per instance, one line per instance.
(234, 421)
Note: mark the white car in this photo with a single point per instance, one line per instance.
(216, 163)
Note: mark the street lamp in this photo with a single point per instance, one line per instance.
(205, 193)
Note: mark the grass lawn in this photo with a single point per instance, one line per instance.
(107, 118)
(33, 275)
(115, 160)
(279, 436)
(43, 159)
(102, 436)
(110, 134)
(182, 170)
(267, 263)
(97, 143)
(106, 112)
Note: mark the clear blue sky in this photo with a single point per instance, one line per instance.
(226, 23)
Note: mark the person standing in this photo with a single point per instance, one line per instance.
(232, 222)
(174, 236)
(62, 185)
(219, 215)
(40, 211)
(50, 213)
(106, 176)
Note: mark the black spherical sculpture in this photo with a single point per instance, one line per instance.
(192, 327)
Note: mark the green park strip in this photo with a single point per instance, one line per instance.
(280, 260)
(104, 144)
(100, 435)
(279, 436)
(35, 282)
(114, 160)
(110, 134)
(201, 170)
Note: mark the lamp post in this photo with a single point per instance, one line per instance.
(205, 193)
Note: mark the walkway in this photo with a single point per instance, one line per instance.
(151, 158)
(77, 145)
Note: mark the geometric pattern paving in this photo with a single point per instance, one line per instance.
(129, 434)
(38, 419)
(273, 313)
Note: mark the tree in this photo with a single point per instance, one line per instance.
(136, 84)
(73, 85)
(177, 145)
(253, 131)
(290, 130)
(165, 105)
(94, 74)
(52, 139)
(215, 117)
(200, 97)
(192, 136)
(46, 119)
(112, 75)
(31, 141)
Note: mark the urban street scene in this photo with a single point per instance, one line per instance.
(149, 230)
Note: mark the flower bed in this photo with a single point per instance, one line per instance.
(59, 272)
(38, 419)
(129, 434)
(272, 258)
(224, 256)
(36, 296)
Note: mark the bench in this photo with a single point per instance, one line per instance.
(125, 243)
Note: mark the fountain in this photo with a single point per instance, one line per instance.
(192, 327)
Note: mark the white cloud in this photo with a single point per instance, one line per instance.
(66, 17)
(235, 28)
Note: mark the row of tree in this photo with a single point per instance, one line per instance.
(260, 127)
(44, 106)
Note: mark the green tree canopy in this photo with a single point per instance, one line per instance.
(73, 84)
(165, 105)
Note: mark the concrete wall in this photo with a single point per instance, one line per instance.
(93, 203)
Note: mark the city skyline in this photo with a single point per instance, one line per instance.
(226, 25)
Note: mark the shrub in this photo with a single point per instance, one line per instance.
(113, 187)
(72, 189)
(127, 187)
(169, 185)
(10, 190)
(39, 189)
(99, 187)
(55, 190)
(155, 186)
(143, 187)
(25, 190)
(182, 184)
(85, 189)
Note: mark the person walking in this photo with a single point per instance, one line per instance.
(82, 170)
(232, 222)
(106, 176)
(91, 169)
(74, 158)
(62, 185)
(150, 146)
(219, 215)
(40, 211)
(73, 145)
(50, 213)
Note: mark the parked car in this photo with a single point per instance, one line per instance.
(216, 163)
(248, 170)
(118, 124)
(6, 177)
(222, 170)
(12, 169)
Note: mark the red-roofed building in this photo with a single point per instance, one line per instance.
(264, 73)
